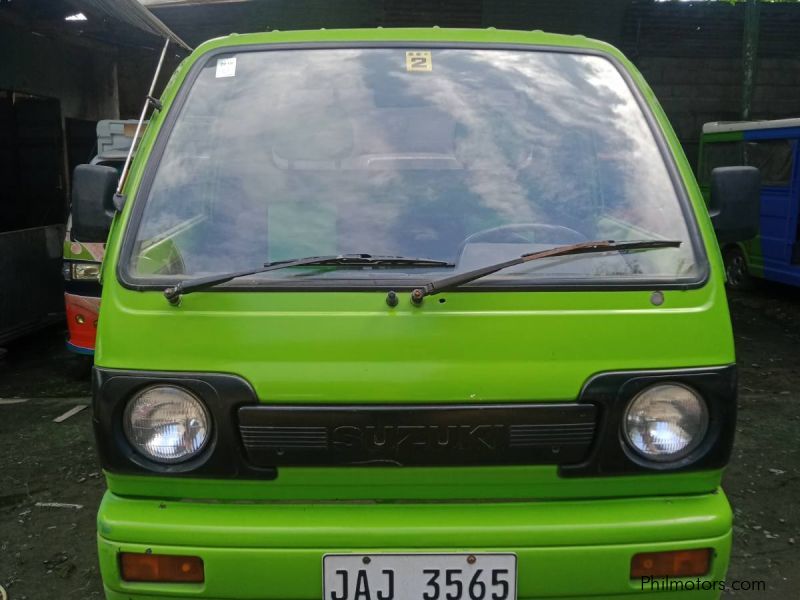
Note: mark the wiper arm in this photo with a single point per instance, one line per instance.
(173, 293)
(440, 285)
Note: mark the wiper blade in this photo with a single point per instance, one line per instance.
(174, 293)
(597, 246)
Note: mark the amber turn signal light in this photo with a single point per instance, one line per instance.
(161, 568)
(678, 563)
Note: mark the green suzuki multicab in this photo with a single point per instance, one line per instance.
(414, 314)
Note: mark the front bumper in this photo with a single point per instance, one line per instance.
(565, 549)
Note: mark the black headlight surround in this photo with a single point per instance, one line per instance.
(612, 393)
(223, 455)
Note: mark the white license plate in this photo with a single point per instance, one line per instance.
(419, 576)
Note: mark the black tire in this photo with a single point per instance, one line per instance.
(80, 368)
(737, 274)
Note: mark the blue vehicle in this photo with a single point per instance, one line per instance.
(772, 147)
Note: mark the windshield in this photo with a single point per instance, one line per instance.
(471, 157)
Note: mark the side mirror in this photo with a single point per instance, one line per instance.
(93, 188)
(735, 203)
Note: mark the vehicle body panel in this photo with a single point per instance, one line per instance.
(573, 536)
(561, 546)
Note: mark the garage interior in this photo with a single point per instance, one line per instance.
(65, 67)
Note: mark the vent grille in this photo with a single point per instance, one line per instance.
(284, 437)
(526, 436)
(417, 435)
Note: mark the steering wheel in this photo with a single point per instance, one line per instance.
(513, 233)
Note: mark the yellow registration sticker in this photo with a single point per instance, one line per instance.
(418, 60)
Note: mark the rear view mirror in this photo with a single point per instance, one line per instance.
(735, 203)
(93, 188)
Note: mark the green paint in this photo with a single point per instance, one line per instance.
(480, 483)
(265, 539)
(562, 547)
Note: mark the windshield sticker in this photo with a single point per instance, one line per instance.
(418, 60)
(226, 67)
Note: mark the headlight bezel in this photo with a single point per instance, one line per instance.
(141, 393)
(677, 457)
(224, 456)
(611, 391)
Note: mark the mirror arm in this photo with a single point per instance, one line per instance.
(149, 101)
(119, 201)
(155, 103)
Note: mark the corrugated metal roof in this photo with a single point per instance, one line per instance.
(132, 13)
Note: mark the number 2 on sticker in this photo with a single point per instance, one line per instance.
(419, 60)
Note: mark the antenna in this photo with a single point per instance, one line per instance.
(119, 198)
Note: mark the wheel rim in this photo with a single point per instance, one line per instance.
(737, 270)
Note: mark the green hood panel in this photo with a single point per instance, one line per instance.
(473, 347)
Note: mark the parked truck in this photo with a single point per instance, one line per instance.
(412, 314)
(771, 147)
(82, 260)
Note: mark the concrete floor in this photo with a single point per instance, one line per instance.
(49, 552)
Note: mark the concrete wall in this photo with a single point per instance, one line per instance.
(84, 79)
(600, 20)
(697, 90)
(691, 54)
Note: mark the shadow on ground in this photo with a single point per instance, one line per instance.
(763, 479)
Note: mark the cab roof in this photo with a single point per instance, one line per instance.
(415, 35)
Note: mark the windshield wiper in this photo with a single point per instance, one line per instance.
(440, 285)
(174, 293)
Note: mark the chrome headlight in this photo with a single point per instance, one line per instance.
(665, 422)
(167, 424)
(81, 271)
(86, 271)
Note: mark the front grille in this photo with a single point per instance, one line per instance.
(529, 436)
(266, 436)
(461, 435)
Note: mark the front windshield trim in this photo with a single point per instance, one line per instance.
(407, 283)
(130, 281)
